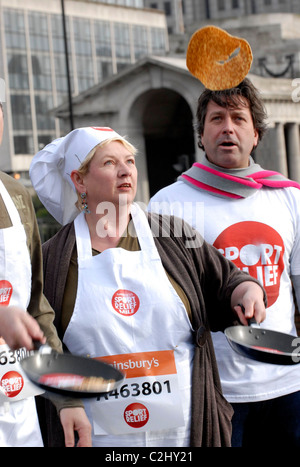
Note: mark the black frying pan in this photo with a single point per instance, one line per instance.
(264, 345)
(70, 375)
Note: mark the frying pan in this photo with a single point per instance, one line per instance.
(63, 374)
(264, 345)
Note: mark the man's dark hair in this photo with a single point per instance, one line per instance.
(233, 98)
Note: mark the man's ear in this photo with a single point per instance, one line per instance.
(78, 181)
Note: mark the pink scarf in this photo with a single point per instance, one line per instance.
(233, 183)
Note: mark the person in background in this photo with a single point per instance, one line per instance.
(25, 316)
(139, 292)
(252, 217)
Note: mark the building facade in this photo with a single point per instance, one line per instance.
(159, 100)
(181, 14)
(100, 39)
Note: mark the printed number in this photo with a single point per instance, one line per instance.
(135, 389)
(12, 356)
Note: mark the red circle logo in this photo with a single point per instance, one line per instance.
(125, 302)
(6, 290)
(257, 249)
(136, 415)
(12, 383)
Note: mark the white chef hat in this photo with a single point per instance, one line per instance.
(51, 168)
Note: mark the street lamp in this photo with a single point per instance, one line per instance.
(67, 65)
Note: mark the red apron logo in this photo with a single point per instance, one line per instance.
(257, 249)
(12, 383)
(125, 302)
(5, 292)
(136, 415)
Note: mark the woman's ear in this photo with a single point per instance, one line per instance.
(78, 181)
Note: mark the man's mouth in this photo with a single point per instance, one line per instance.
(227, 144)
(125, 185)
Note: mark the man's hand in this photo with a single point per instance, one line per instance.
(75, 419)
(19, 329)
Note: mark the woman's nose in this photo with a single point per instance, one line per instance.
(124, 170)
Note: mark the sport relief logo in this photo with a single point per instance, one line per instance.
(6, 290)
(12, 383)
(258, 249)
(136, 415)
(125, 302)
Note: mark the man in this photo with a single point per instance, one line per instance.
(253, 217)
(21, 288)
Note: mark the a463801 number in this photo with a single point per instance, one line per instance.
(135, 389)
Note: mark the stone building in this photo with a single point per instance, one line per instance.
(100, 39)
(154, 101)
(181, 14)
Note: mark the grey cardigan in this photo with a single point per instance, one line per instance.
(208, 280)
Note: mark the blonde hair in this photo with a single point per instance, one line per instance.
(85, 165)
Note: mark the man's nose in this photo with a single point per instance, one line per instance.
(228, 125)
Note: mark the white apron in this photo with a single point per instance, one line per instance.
(18, 418)
(127, 311)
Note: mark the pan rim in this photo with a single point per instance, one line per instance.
(34, 375)
(258, 349)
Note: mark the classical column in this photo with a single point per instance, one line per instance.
(279, 146)
(293, 150)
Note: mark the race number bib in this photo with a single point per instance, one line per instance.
(147, 400)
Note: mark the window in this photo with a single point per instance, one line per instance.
(60, 70)
(83, 49)
(103, 49)
(41, 71)
(140, 40)
(38, 31)
(43, 104)
(21, 112)
(85, 73)
(23, 144)
(122, 42)
(102, 39)
(82, 37)
(14, 29)
(167, 8)
(221, 5)
(18, 71)
(158, 40)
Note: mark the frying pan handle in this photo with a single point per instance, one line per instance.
(252, 321)
(42, 348)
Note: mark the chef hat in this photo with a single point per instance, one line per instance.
(50, 169)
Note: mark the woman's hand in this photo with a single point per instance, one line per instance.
(251, 296)
(75, 419)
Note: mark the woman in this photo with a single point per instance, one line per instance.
(140, 291)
